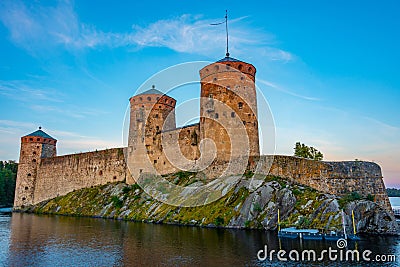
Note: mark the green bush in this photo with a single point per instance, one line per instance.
(257, 207)
(126, 189)
(371, 197)
(219, 221)
(118, 203)
(348, 198)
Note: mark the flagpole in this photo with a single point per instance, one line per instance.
(226, 27)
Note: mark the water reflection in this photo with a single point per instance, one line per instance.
(32, 240)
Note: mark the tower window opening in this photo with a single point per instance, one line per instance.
(34, 160)
(215, 79)
(233, 114)
(37, 139)
(100, 172)
(34, 153)
(149, 98)
(217, 67)
(155, 161)
(29, 175)
(210, 96)
(30, 139)
(23, 199)
(172, 102)
(157, 128)
(156, 116)
(216, 115)
(240, 105)
(142, 106)
(250, 69)
(26, 188)
(188, 131)
(140, 98)
(240, 67)
(159, 106)
(244, 123)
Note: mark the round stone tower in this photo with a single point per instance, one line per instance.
(151, 112)
(228, 108)
(34, 147)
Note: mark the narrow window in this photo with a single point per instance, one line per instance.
(100, 172)
(216, 115)
(233, 114)
(29, 175)
(156, 116)
(155, 161)
(240, 105)
(149, 98)
(26, 188)
(34, 160)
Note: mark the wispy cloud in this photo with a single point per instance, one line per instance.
(282, 89)
(71, 111)
(36, 27)
(26, 91)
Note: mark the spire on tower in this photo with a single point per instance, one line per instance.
(226, 29)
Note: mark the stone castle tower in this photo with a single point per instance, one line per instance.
(228, 124)
(34, 147)
(150, 113)
(228, 108)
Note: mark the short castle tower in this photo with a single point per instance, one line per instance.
(228, 101)
(151, 112)
(34, 147)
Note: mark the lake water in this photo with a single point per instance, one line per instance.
(395, 201)
(40, 240)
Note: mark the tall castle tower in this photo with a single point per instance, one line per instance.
(228, 108)
(151, 112)
(34, 147)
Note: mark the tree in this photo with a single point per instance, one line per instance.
(8, 175)
(303, 151)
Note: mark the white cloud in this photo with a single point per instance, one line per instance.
(281, 89)
(25, 91)
(35, 28)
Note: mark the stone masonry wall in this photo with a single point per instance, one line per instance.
(337, 178)
(60, 175)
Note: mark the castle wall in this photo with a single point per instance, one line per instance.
(337, 178)
(60, 175)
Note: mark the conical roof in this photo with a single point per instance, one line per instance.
(40, 133)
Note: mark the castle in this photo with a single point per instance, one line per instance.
(224, 142)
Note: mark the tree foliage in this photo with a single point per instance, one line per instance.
(8, 175)
(393, 192)
(303, 151)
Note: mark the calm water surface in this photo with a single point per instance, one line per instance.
(33, 240)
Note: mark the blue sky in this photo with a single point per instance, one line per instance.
(328, 69)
